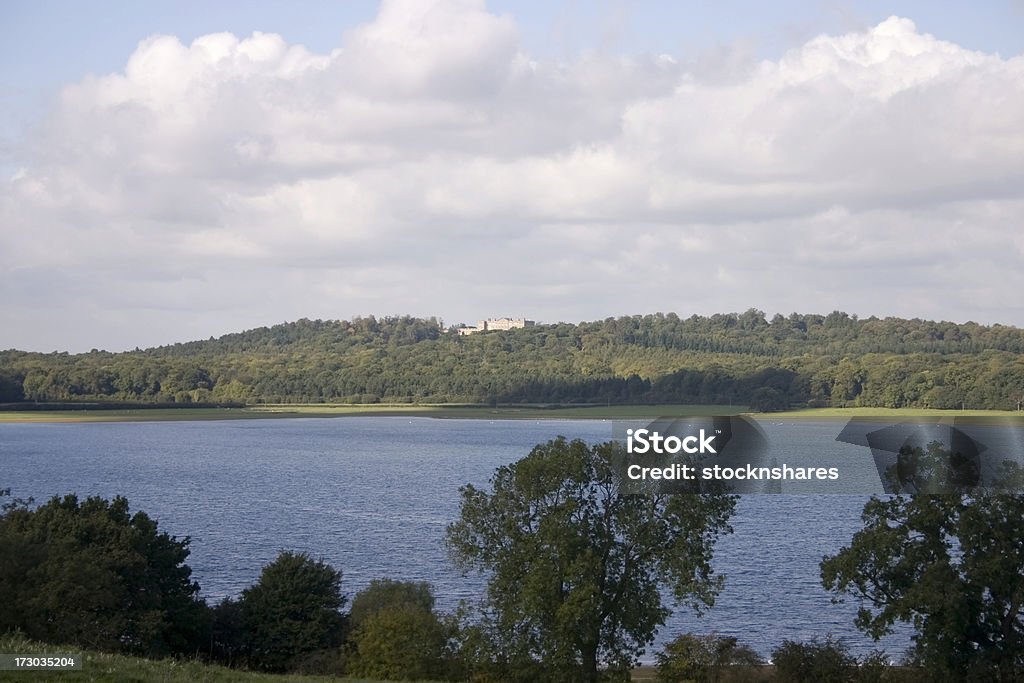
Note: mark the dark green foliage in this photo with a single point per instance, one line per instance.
(878, 668)
(228, 641)
(950, 565)
(767, 400)
(576, 568)
(11, 382)
(385, 593)
(396, 634)
(94, 575)
(402, 642)
(482, 655)
(830, 661)
(833, 360)
(818, 662)
(707, 659)
(293, 610)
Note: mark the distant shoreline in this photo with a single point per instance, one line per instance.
(620, 412)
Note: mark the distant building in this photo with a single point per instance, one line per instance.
(497, 324)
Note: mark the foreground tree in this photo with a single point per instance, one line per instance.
(397, 635)
(383, 594)
(576, 566)
(93, 574)
(953, 566)
(292, 611)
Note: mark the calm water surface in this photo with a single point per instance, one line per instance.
(373, 496)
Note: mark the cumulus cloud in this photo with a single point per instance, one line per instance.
(430, 165)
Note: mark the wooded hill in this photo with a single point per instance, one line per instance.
(743, 359)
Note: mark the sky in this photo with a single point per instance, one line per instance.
(172, 171)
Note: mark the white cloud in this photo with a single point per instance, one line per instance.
(429, 165)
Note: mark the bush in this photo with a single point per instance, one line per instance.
(292, 611)
(705, 659)
(876, 668)
(401, 642)
(396, 633)
(481, 658)
(384, 593)
(227, 633)
(827, 662)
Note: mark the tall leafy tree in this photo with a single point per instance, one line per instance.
(576, 567)
(94, 574)
(951, 565)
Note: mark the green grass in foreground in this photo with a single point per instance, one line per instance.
(103, 668)
(620, 412)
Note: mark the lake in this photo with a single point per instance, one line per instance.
(373, 495)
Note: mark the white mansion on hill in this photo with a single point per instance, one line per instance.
(497, 324)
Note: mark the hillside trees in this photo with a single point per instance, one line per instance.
(832, 360)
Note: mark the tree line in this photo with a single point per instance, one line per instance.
(744, 359)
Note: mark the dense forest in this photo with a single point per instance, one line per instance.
(743, 359)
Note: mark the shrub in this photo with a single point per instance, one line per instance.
(401, 642)
(384, 593)
(704, 659)
(824, 662)
(292, 611)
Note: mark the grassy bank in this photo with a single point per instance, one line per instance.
(104, 668)
(402, 410)
(110, 668)
(472, 412)
(890, 414)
